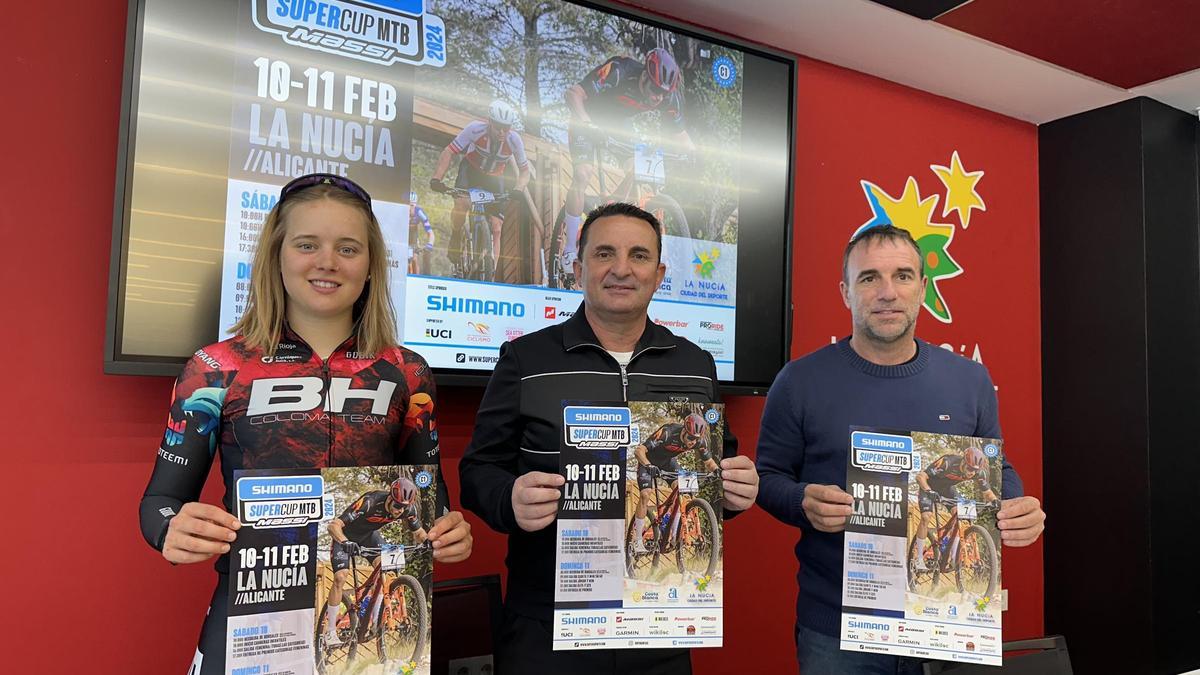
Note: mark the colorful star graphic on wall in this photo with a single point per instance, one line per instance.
(960, 185)
(706, 262)
(912, 213)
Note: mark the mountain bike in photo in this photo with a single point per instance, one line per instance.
(476, 259)
(684, 524)
(958, 546)
(645, 178)
(388, 609)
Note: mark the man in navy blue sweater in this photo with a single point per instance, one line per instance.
(881, 376)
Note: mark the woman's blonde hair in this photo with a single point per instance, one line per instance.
(266, 308)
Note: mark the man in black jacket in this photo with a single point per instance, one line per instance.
(609, 350)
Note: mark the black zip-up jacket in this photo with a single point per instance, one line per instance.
(519, 427)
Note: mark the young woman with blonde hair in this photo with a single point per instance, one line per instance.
(313, 377)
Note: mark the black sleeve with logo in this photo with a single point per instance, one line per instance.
(419, 441)
(188, 445)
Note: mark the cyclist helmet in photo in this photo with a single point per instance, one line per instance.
(412, 198)
(662, 69)
(501, 113)
(695, 426)
(973, 459)
(404, 491)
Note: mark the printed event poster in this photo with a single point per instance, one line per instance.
(284, 566)
(640, 532)
(922, 554)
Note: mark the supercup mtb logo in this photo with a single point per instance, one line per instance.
(378, 31)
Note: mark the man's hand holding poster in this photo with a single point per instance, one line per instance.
(639, 527)
(921, 555)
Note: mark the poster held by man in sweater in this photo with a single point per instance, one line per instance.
(921, 561)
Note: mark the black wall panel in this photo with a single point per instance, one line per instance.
(1120, 266)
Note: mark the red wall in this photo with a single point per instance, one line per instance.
(81, 443)
(854, 128)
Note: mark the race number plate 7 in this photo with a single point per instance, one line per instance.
(689, 484)
(648, 164)
(392, 560)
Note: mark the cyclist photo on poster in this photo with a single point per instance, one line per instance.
(953, 552)
(600, 108)
(674, 529)
(373, 555)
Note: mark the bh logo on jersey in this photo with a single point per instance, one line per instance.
(273, 395)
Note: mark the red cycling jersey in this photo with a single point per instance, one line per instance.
(667, 442)
(485, 154)
(948, 470)
(290, 410)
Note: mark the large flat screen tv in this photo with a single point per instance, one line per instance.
(228, 100)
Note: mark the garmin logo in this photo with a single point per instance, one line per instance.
(444, 303)
(578, 620)
(867, 625)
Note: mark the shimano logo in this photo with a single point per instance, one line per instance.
(867, 625)
(883, 443)
(279, 489)
(598, 417)
(577, 620)
(444, 303)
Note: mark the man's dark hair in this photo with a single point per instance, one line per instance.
(882, 233)
(620, 209)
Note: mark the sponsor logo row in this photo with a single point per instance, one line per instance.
(465, 315)
(921, 635)
(656, 624)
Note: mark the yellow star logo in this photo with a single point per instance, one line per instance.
(912, 213)
(960, 185)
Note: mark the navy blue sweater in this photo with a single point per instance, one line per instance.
(806, 430)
